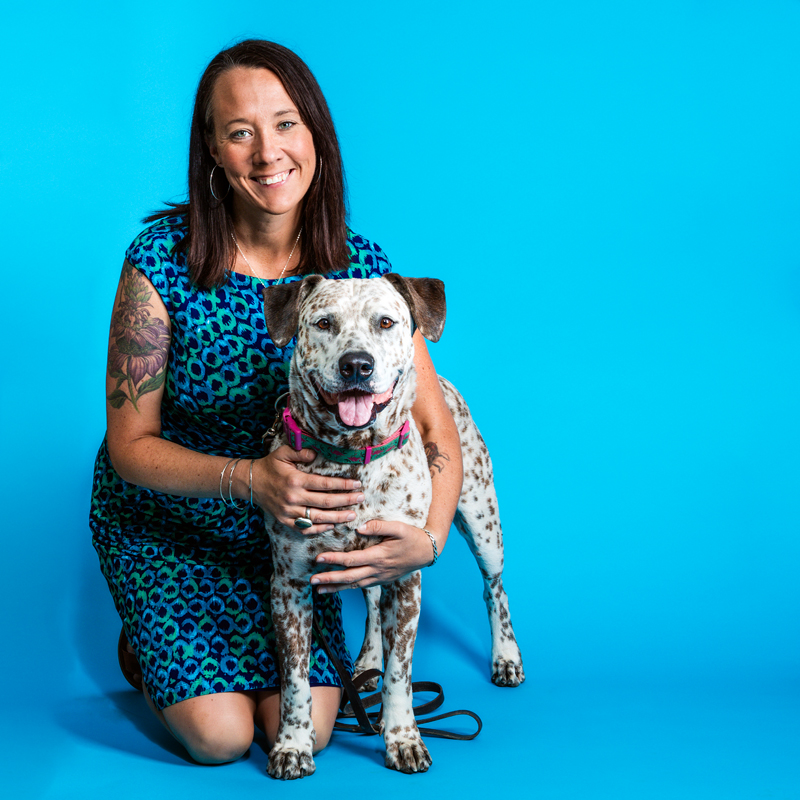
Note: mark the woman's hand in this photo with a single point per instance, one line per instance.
(286, 492)
(404, 549)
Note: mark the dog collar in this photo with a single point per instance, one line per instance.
(298, 439)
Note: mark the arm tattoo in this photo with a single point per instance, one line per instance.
(137, 355)
(434, 456)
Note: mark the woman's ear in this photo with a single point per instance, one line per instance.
(212, 148)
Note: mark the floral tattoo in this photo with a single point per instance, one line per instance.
(434, 456)
(139, 343)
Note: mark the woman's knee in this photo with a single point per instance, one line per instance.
(219, 745)
(324, 710)
(321, 739)
(214, 729)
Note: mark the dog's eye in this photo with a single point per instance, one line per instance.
(324, 324)
(386, 322)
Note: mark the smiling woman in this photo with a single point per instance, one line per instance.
(180, 484)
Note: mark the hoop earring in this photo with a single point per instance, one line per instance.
(318, 176)
(211, 185)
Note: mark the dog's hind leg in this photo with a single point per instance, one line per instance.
(478, 521)
(370, 656)
(486, 545)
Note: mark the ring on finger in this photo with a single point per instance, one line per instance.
(304, 522)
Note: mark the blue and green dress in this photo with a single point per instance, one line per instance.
(190, 577)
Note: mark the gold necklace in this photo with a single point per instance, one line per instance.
(250, 266)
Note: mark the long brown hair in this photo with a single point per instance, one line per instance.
(208, 245)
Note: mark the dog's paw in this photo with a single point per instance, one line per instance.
(408, 755)
(507, 672)
(287, 764)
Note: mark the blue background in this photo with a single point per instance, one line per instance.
(611, 192)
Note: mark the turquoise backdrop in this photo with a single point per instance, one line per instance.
(611, 193)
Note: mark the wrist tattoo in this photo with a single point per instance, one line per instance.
(436, 459)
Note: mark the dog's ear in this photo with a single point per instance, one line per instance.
(425, 298)
(282, 307)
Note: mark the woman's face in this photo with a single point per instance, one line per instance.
(261, 142)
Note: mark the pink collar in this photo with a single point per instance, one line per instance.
(298, 439)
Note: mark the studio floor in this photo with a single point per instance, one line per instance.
(551, 738)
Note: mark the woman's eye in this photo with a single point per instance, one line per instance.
(285, 125)
(240, 134)
(386, 322)
(324, 324)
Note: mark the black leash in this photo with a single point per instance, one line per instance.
(353, 706)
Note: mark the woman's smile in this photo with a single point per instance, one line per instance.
(271, 180)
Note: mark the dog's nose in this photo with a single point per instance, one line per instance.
(356, 366)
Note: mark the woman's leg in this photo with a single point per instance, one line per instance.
(217, 728)
(214, 728)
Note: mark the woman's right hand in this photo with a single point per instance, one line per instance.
(286, 492)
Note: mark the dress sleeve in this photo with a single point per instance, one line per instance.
(152, 253)
(367, 260)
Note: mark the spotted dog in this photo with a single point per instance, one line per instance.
(352, 386)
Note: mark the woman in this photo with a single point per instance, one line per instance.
(180, 482)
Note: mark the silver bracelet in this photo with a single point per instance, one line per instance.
(221, 477)
(251, 481)
(435, 548)
(233, 503)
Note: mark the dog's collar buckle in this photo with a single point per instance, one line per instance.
(298, 439)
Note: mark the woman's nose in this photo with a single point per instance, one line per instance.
(267, 149)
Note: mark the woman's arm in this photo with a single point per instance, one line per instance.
(406, 548)
(138, 352)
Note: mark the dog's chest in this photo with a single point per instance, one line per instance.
(396, 488)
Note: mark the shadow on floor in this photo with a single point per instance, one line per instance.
(107, 719)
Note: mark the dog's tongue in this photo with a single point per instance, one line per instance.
(355, 410)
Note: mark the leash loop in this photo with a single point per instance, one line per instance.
(353, 706)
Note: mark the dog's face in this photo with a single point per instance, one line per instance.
(354, 354)
(354, 344)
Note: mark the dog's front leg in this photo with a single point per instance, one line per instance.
(405, 750)
(292, 612)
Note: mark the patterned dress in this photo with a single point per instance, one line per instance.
(190, 577)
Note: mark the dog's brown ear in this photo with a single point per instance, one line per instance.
(282, 307)
(425, 298)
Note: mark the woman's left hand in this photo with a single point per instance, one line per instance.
(402, 550)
